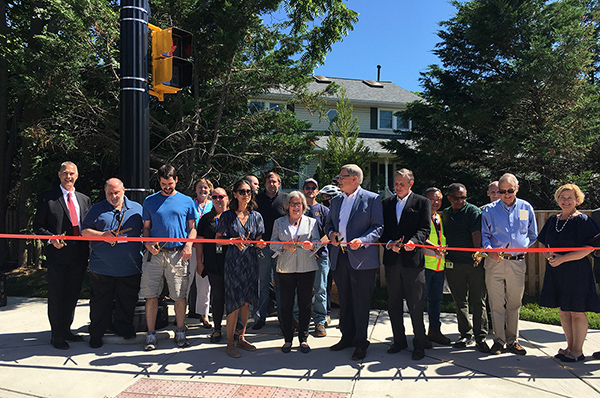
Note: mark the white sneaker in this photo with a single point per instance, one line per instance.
(150, 342)
(180, 338)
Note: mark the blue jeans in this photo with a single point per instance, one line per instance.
(266, 271)
(434, 293)
(320, 287)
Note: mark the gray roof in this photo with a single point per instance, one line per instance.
(359, 92)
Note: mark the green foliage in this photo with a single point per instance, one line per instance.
(513, 94)
(343, 145)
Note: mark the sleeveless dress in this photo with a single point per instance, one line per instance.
(241, 267)
(570, 286)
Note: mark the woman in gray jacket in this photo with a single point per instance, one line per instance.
(296, 266)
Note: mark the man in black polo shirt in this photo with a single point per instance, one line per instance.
(270, 207)
(462, 222)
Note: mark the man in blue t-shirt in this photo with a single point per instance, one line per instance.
(115, 266)
(167, 214)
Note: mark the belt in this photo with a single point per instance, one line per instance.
(517, 257)
(171, 249)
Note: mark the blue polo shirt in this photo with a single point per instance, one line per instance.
(319, 212)
(169, 216)
(122, 259)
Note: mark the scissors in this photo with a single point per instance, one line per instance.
(477, 257)
(339, 239)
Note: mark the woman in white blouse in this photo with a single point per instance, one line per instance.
(296, 266)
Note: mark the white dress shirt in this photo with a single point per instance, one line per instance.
(400, 206)
(345, 209)
(75, 202)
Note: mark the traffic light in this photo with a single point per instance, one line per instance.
(171, 68)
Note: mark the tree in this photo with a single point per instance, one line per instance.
(513, 94)
(343, 145)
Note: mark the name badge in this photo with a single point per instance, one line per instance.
(122, 241)
(449, 265)
(219, 248)
(523, 215)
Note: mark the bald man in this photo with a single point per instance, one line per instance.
(115, 265)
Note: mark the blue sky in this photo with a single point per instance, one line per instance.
(399, 35)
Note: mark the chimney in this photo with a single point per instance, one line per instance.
(378, 72)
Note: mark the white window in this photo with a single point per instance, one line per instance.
(388, 121)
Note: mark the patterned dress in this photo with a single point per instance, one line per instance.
(571, 285)
(241, 267)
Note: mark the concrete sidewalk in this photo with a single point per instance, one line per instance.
(31, 367)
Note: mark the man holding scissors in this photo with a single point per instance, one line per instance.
(167, 214)
(115, 266)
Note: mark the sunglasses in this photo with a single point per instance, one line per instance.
(244, 191)
(458, 197)
(219, 197)
(503, 191)
(310, 188)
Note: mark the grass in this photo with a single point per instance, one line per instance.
(32, 283)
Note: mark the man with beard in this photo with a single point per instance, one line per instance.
(115, 266)
(167, 214)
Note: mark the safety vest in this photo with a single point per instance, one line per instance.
(431, 260)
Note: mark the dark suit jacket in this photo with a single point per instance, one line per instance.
(52, 218)
(596, 243)
(365, 223)
(414, 225)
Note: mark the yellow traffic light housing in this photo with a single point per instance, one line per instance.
(171, 68)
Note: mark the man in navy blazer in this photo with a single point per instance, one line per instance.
(407, 222)
(66, 261)
(355, 218)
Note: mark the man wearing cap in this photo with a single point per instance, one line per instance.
(318, 212)
(509, 220)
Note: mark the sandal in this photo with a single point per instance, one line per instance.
(205, 323)
(571, 358)
(216, 336)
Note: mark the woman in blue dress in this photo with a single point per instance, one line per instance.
(569, 281)
(240, 222)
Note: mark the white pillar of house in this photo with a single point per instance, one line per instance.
(387, 160)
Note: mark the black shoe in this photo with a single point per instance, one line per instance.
(438, 337)
(427, 345)
(59, 344)
(129, 336)
(497, 348)
(216, 336)
(483, 347)
(258, 325)
(359, 354)
(340, 345)
(463, 342)
(418, 354)
(596, 355)
(396, 348)
(516, 348)
(286, 348)
(304, 347)
(96, 342)
(73, 337)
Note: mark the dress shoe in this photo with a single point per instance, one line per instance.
(59, 344)
(463, 342)
(73, 337)
(258, 325)
(596, 355)
(304, 347)
(286, 348)
(340, 345)
(516, 348)
(438, 337)
(396, 348)
(359, 354)
(427, 344)
(483, 347)
(418, 354)
(129, 335)
(497, 348)
(96, 342)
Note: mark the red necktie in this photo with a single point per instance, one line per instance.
(73, 215)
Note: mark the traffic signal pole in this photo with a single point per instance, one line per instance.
(135, 141)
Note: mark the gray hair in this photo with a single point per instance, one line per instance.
(293, 195)
(406, 173)
(64, 165)
(509, 178)
(354, 170)
(119, 183)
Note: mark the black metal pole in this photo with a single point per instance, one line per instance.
(135, 142)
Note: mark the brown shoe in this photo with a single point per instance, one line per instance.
(496, 348)
(438, 337)
(244, 345)
(320, 331)
(232, 351)
(516, 348)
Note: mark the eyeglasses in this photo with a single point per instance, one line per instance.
(503, 191)
(341, 177)
(219, 197)
(299, 204)
(310, 188)
(457, 197)
(244, 191)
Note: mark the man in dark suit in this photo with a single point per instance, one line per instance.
(355, 218)
(60, 211)
(406, 223)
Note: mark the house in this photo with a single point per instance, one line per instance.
(374, 104)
